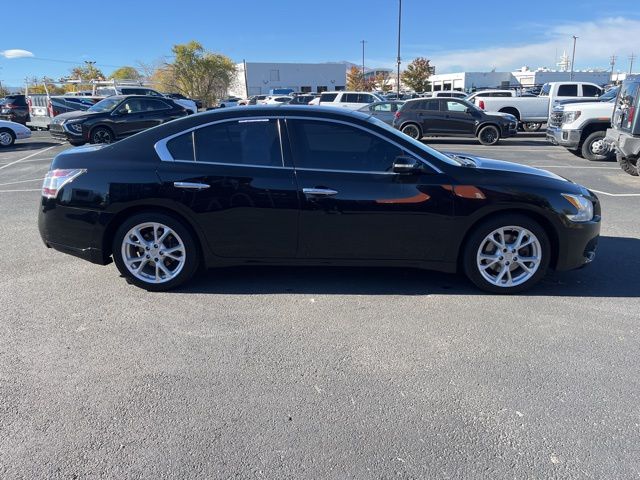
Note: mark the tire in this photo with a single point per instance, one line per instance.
(7, 137)
(412, 130)
(628, 164)
(480, 252)
(531, 127)
(594, 149)
(101, 135)
(76, 144)
(489, 135)
(177, 252)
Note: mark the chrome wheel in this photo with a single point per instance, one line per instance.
(153, 252)
(509, 256)
(6, 138)
(412, 131)
(599, 147)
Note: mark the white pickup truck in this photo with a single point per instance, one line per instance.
(536, 110)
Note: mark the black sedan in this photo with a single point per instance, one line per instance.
(314, 186)
(446, 116)
(113, 118)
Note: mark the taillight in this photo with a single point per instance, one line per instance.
(56, 179)
(397, 114)
(632, 112)
(50, 109)
(9, 105)
(481, 104)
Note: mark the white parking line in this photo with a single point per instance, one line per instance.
(26, 190)
(615, 194)
(28, 156)
(574, 166)
(21, 181)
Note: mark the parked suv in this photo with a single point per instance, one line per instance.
(114, 118)
(624, 133)
(14, 108)
(350, 100)
(188, 104)
(453, 116)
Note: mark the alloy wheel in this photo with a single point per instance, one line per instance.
(153, 253)
(489, 135)
(102, 136)
(5, 139)
(599, 147)
(412, 131)
(509, 256)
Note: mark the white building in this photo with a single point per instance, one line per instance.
(528, 78)
(467, 81)
(254, 78)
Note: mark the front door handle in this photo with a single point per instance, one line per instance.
(319, 192)
(191, 185)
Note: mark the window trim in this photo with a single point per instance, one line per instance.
(165, 156)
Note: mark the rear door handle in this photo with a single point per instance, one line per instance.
(191, 185)
(319, 192)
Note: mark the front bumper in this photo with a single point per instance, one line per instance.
(509, 130)
(627, 144)
(564, 138)
(58, 132)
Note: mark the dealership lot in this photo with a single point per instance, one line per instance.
(323, 373)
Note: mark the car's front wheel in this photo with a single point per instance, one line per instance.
(489, 135)
(155, 251)
(7, 137)
(594, 148)
(507, 254)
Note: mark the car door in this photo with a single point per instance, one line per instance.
(128, 117)
(353, 206)
(230, 176)
(459, 119)
(431, 118)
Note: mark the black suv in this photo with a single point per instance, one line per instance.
(453, 116)
(114, 118)
(14, 108)
(624, 133)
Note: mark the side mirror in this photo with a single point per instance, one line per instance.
(405, 164)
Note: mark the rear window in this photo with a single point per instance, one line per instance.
(181, 148)
(626, 106)
(17, 100)
(328, 97)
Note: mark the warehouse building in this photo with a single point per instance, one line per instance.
(254, 78)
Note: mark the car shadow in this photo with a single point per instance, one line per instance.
(505, 142)
(607, 276)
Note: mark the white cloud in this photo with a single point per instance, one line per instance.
(597, 41)
(16, 53)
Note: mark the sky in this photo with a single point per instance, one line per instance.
(464, 35)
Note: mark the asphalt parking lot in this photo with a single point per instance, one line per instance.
(319, 373)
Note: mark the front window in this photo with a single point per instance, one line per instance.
(106, 105)
(453, 106)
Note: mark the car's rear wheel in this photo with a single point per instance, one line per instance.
(489, 135)
(595, 149)
(412, 130)
(628, 164)
(155, 251)
(507, 254)
(7, 137)
(102, 135)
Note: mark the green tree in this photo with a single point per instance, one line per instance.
(355, 79)
(417, 74)
(196, 73)
(126, 73)
(88, 72)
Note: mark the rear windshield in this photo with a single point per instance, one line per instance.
(626, 106)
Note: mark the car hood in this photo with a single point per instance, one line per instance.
(500, 165)
(508, 116)
(77, 115)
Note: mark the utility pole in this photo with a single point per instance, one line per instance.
(632, 57)
(398, 59)
(612, 62)
(573, 56)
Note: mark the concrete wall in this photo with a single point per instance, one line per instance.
(262, 77)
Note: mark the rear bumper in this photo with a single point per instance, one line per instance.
(564, 138)
(625, 143)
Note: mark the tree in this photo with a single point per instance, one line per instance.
(126, 73)
(383, 82)
(196, 73)
(88, 72)
(355, 79)
(417, 74)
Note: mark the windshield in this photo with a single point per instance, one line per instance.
(431, 151)
(609, 96)
(546, 88)
(105, 105)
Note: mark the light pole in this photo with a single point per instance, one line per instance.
(398, 59)
(363, 42)
(632, 57)
(573, 56)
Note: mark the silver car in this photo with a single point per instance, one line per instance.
(383, 110)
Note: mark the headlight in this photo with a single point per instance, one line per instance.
(74, 127)
(582, 204)
(570, 117)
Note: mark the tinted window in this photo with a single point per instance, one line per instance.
(590, 91)
(248, 142)
(365, 98)
(349, 98)
(334, 146)
(432, 105)
(328, 97)
(568, 91)
(151, 105)
(181, 148)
